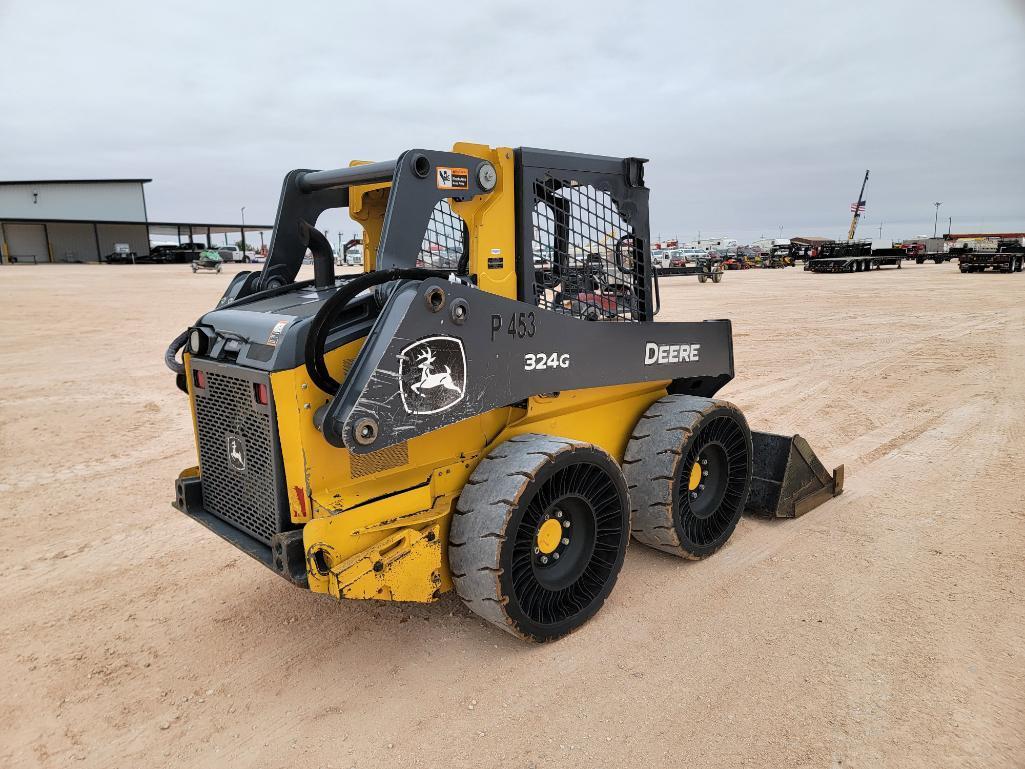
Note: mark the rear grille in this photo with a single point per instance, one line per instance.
(239, 490)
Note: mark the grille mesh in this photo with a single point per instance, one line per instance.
(246, 498)
(377, 461)
(585, 253)
(444, 244)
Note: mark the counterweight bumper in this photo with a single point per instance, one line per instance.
(284, 556)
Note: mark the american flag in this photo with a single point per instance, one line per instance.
(858, 208)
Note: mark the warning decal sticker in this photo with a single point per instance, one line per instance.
(453, 178)
(275, 333)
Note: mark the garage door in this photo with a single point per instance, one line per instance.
(25, 241)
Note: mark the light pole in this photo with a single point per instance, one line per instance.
(243, 233)
(936, 219)
(880, 230)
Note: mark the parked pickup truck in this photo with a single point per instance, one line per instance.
(234, 254)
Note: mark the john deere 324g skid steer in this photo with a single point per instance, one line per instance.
(488, 406)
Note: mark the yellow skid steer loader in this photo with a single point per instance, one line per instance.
(490, 405)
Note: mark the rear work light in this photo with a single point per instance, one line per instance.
(199, 378)
(261, 393)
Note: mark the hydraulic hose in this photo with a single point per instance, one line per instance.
(171, 355)
(333, 308)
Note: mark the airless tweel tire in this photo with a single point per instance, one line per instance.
(539, 535)
(688, 471)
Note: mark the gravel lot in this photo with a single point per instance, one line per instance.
(884, 629)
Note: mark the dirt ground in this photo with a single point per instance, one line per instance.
(884, 629)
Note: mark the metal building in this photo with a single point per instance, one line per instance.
(82, 220)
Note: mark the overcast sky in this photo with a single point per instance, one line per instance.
(753, 114)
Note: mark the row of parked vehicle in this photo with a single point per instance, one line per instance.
(736, 258)
(175, 254)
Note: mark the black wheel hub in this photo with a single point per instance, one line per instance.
(713, 466)
(567, 543)
(564, 542)
(712, 483)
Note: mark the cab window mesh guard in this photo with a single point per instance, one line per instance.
(444, 243)
(585, 254)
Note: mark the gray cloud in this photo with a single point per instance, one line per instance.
(754, 115)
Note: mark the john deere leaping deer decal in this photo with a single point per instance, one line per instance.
(433, 375)
(428, 381)
(236, 453)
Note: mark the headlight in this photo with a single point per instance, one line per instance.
(200, 340)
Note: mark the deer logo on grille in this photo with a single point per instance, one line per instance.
(236, 453)
(433, 375)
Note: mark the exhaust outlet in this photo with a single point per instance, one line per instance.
(323, 257)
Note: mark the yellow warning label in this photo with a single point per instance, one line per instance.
(453, 178)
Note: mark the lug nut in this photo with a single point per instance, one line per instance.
(537, 550)
(704, 461)
(565, 540)
(555, 556)
(704, 473)
(565, 524)
(558, 513)
(544, 559)
(693, 495)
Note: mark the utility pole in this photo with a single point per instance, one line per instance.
(950, 224)
(936, 219)
(880, 230)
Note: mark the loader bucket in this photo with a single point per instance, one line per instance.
(788, 479)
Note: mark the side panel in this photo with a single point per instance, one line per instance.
(322, 479)
(342, 547)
